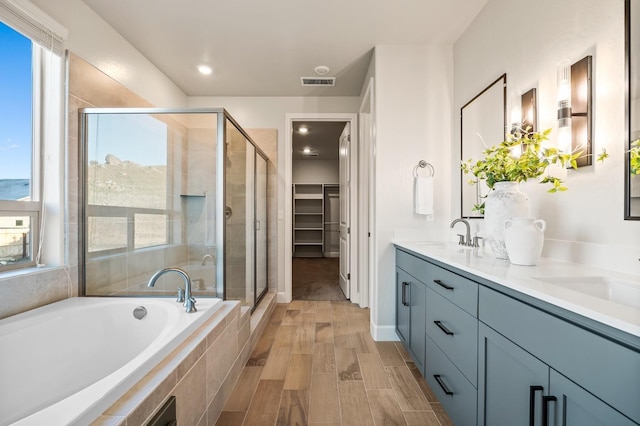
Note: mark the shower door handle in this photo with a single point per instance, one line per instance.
(257, 225)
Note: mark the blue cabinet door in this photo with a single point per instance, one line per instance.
(402, 305)
(574, 406)
(509, 379)
(417, 331)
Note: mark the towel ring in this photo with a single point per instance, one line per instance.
(422, 164)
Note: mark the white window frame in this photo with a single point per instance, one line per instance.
(47, 38)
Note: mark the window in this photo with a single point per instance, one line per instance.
(127, 183)
(30, 82)
(20, 210)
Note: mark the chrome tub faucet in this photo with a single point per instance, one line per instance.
(189, 300)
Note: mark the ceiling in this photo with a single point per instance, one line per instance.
(262, 48)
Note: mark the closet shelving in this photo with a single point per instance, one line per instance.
(308, 220)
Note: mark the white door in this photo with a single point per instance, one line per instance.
(345, 214)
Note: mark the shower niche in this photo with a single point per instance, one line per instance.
(171, 188)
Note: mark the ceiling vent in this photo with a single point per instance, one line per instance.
(318, 81)
(310, 154)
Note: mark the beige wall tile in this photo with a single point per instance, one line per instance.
(191, 394)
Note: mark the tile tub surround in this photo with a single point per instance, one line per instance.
(522, 279)
(201, 373)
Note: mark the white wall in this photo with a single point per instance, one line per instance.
(315, 171)
(91, 38)
(269, 113)
(526, 40)
(413, 101)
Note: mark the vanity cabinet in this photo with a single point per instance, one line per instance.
(451, 364)
(436, 320)
(531, 362)
(410, 305)
(494, 356)
(517, 388)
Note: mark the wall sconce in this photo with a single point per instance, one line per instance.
(574, 109)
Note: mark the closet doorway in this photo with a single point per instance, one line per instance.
(320, 212)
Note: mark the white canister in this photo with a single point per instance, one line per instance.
(524, 238)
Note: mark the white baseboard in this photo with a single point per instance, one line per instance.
(384, 333)
(282, 297)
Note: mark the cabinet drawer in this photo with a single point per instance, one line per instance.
(456, 288)
(455, 332)
(455, 393)
(412, 264)
(605, 368)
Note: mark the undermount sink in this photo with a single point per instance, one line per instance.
(605, 288)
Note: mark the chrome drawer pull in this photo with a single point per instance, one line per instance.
(442, 385)
(441, 284)
(443, 328)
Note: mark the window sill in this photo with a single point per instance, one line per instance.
(25, 272)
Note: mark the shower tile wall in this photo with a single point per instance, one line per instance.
(199, 206)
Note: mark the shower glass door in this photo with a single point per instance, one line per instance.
(246, 219)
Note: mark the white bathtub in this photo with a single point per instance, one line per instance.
(66, 363)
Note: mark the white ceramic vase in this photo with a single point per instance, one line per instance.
(524, 238)
(504, 202)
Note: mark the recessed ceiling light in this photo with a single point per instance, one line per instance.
(322, 69)
(204, 69)
(307, 150)
(303, 129)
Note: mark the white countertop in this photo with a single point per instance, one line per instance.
(482, 263)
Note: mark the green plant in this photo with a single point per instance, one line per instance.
(634, 157)
(520, 157)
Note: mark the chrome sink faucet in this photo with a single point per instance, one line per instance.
(208, 256)
(466, 240)
(189, 300)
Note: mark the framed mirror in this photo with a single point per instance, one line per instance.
(483, 121)
(632, 71)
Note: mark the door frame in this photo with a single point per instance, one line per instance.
(366, 190)
(290, 118)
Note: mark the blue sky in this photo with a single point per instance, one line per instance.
(15, 105)
(140, 138)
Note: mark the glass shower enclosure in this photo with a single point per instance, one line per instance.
(181, 188)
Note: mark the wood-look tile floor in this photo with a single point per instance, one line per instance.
(316, 364)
